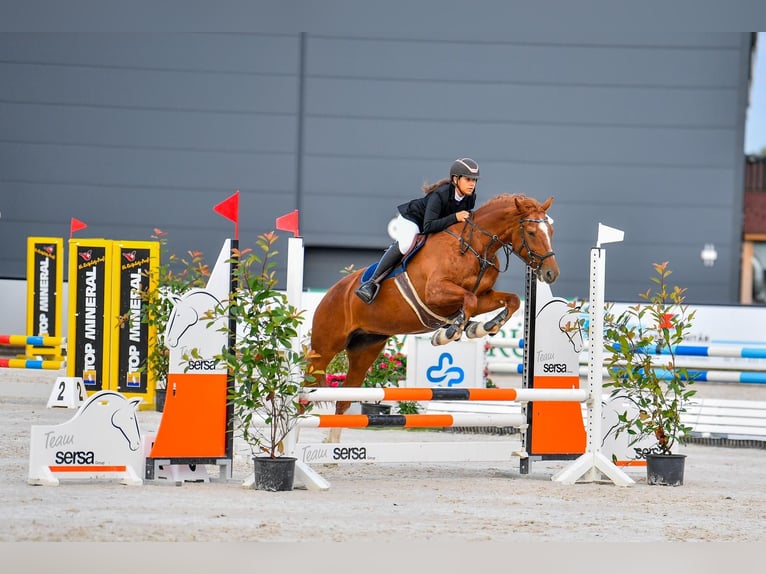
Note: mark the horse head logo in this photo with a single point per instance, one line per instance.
(187, 312)
(124, 420)
(120, 411)
(571, 326)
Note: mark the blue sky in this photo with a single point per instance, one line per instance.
(755, 129)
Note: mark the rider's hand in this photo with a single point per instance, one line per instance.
(462, 216)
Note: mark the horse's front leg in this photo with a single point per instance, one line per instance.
(454, 331)
(509, 304)
(451, 332)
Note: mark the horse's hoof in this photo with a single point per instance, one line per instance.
(437, 339)
(491, 329)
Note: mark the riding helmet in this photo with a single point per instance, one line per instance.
(465, 167)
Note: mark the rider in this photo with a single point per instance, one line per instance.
(445, 203)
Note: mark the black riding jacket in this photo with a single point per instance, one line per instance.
(436, 211)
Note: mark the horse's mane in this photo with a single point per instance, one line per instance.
(505, 198)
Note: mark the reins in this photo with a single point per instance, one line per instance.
(485, 262)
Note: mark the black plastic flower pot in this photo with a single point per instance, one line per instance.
(665, 469)
(159, 400)
(274, 474)
(375, 409)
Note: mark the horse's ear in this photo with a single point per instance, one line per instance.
(175, 298)
(134, 402)
(547, 203)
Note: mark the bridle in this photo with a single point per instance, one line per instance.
(485, 262)
(533, 256)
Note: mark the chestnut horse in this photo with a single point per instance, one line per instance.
(452, 275)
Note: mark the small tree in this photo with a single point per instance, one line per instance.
(634, 340)
(268, 365)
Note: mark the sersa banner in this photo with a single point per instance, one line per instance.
(135, 268)
(88, 339)
(102, 441)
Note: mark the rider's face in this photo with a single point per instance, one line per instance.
(465, 185)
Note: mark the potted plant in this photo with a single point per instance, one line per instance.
(641, 360)
(268, 365)
(176, 275)
(387, 370)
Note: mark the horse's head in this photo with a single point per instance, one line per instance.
(532, 238)
(521, 224)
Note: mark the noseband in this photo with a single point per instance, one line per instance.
(535, 259)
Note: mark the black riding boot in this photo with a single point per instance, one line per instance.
(368, 290)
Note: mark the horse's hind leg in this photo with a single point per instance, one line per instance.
(359, 361)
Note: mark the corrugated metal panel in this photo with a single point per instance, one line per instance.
(133, 131)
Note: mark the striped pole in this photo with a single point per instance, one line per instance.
(711, 376)
(708, 376)
(34, 340)
(440, 394)
(726, 350)
(408, 421)
(31, 364)
(736, 351)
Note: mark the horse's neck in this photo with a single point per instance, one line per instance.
(500, 224)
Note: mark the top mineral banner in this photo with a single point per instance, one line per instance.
(45, 280)
(135, 265)
(89, 283)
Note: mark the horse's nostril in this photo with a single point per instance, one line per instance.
(549, 276)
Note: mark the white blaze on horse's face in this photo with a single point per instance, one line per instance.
(544, 227)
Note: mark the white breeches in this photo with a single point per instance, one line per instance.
(404, 232)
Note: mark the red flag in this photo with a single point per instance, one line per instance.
(229, 208)
(76, 225)
(289, 222)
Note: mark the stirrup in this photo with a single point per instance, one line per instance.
(367, 291)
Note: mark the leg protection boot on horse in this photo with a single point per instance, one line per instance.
(368, 290)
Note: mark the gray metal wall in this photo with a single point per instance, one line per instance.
(133, 132)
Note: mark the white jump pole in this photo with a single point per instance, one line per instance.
(592, 464)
